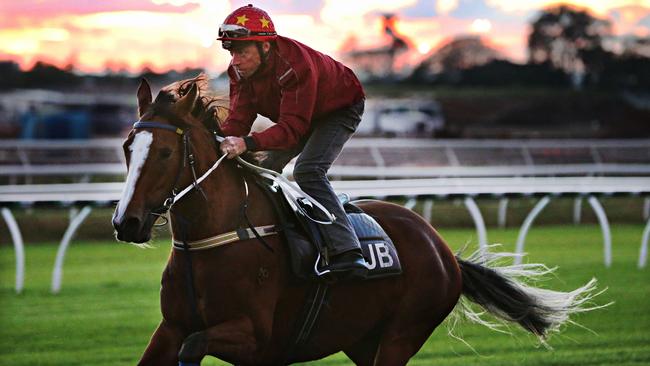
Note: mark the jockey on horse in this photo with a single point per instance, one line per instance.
(316, 104)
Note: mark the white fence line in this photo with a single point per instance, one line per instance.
(439, 187)
(104, 194)
(370, 142)
(487, 171)
(498, 143)
(524, 177)
(591, 157)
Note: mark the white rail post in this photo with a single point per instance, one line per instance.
(528, 222)
(410, 203)
(19, 248)
(473, 209)
(643, 254)
(577, 210)
(503, 212)
(379, 160)
(57, 273)
(604, 225)
(426, 209)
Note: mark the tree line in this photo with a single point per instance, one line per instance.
(43, 75)
(566, 46)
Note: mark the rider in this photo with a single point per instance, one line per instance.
(316, 104)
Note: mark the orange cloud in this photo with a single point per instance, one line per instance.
(629, 19)
(162, 34)
(129, 38)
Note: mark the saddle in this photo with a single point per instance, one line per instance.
(308, 249)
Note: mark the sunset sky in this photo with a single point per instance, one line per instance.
(162, 34)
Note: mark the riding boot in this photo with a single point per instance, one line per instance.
(349, 265)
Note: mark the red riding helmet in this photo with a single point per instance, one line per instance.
(247, 23)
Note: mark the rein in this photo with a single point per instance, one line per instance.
(294, 195)
(188, 157)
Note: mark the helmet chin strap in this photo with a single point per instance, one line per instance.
(263, 55)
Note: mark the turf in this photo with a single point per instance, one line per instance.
(108, 305)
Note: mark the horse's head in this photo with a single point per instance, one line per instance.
(157, 151)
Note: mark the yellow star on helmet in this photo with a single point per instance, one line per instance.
(265, 22)
(242, 20)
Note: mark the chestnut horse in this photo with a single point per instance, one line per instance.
(243, 295)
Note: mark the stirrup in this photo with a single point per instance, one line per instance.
(320, 273)
(334, 276)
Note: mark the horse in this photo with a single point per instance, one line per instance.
(238, 302)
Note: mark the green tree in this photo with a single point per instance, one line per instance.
(569, 38)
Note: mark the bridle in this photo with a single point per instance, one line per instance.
(175, 195)
(188, 159)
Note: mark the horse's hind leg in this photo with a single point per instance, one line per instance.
(163, 346)
(405, 334)
(397, 351)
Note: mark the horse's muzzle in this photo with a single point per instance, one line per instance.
(133, 229)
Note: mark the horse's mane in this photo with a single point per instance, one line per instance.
(210, 109)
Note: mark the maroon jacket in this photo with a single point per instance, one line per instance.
(293, 87)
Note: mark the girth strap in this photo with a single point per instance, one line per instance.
(226, 238)
(316, 297)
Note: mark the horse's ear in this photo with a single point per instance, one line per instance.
(144, 96)
(186, 103)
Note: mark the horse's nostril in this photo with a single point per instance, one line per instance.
(131, 224)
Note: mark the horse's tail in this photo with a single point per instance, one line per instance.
(503, 291)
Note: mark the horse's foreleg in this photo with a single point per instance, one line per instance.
(364, 352)
(233, 341)
(163, 346)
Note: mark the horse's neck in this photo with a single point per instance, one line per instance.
(216, 213)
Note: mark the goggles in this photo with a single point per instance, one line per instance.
(233, 31)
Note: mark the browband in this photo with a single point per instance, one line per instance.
(159, 125)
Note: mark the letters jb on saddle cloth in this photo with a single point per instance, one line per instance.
(307, 94)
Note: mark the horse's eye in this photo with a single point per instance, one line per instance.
(165, 153)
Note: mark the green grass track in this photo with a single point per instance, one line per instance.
(108, 305)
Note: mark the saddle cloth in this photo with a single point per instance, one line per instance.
(307, 245)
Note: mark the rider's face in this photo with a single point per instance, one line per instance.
(247, 59)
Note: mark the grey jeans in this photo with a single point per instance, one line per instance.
(318, 150)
